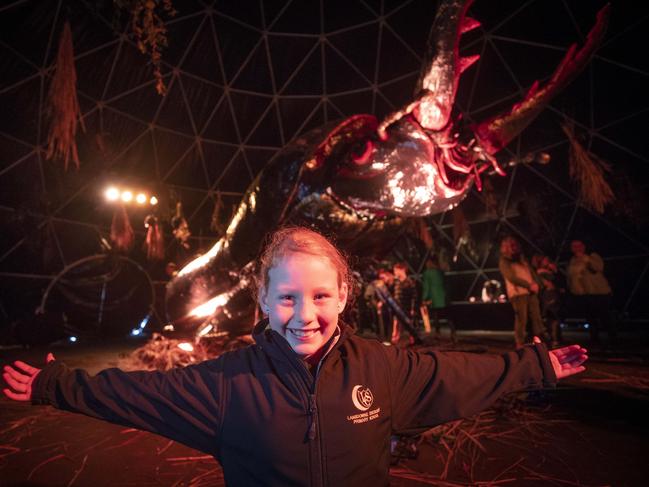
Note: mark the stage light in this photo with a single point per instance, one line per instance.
(586, 325)
(73, 339)
(187, 347)
(153, 200)
(168, 327)
(112, 194)
(140, 198)
(127, 196)
(136, 331)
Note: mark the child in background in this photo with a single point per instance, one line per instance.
(309, 403)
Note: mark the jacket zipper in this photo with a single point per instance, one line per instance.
(313, 410)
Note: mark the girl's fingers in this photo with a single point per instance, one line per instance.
(14, 384)
(16, 375)
(25, 367)
(16, 397)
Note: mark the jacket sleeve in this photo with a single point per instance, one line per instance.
(183, 404)
(431, 388)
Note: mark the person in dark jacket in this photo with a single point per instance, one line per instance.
(309, 403)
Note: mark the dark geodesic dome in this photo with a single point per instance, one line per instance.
(244, 78)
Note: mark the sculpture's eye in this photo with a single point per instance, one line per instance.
(361, 154)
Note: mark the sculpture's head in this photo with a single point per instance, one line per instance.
(419, 160)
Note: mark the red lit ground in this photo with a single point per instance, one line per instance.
(590, 431)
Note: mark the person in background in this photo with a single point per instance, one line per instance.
(586, 280)
(550, 296)
(374, 296)
(523, 288)
(433, 293)
(405, 294)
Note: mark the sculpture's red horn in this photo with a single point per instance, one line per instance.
(496, 132)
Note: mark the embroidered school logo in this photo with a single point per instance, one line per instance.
(362, 397)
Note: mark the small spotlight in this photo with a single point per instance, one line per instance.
(587, 325)
(140, 198)
(168, 327)
(187, 347)
(112, 194)
(127, 196)
(144, 322)
(153, 200)
(136, 331)
(73, 339)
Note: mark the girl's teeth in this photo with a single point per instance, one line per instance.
(303, 333)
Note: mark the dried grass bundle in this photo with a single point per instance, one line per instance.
(461, 443)
(460, 225)
(154, 241)
(151, 33)
(162, 353)
(589, 172)
(62, 105)
(121, 231)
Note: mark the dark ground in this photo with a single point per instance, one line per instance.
(591, 431)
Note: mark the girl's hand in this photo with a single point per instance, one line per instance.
(567, 361)
(20, 378)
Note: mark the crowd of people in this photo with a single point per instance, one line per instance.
(536, 293)
(398, 306)
(395, 306)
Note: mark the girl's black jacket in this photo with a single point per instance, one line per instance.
(268, 421)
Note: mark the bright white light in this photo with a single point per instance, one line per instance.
(187, 347)
(205, 330)
(127, 196)
(153, 200)
(112, 194)
(140, 198)
(73, 339)
(202, 260)
(207, 309)
(586, 325)
(168, 327)
(135, 332)
(144, 321)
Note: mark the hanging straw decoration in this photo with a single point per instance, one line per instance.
(154, 241)
(215, 224)
(121, 231)
(150, 30)
(460, 225)
(490, 197)
(589, 172)
(63, 106)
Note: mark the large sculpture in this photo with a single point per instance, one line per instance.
(356, 179)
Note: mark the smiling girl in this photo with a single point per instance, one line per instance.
(309, 403)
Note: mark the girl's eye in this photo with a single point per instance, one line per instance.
(321, 296)
(286, 297)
